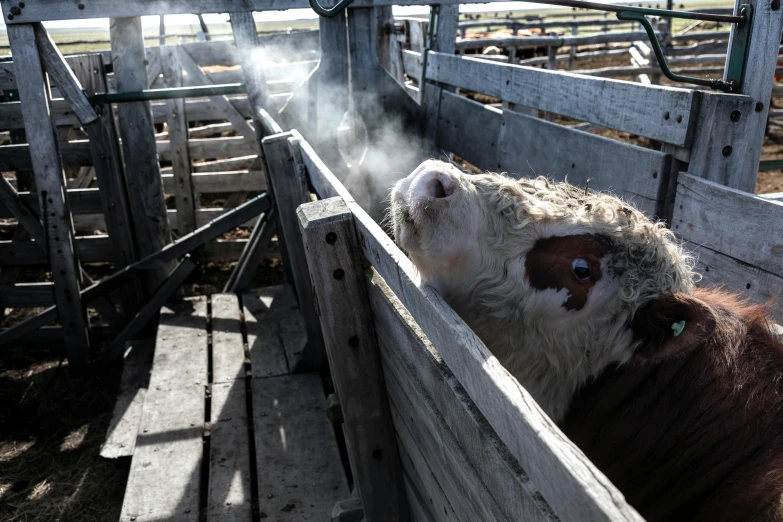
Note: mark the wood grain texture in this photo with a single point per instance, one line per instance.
(124, 426)
(228, 352)
(61, 75)
(50, 182)
(246, 39)
(145, 189)
(335, 269)
(757, 83)
(22, 211)
(301, 476)
(272, 321)
(289, 189)
(458, 119)
(109, 169)
(568, 481)
(165, 474)
(198, 77)
(184, 195)
(724, 227)
(230, 491)
(725, 121)
(609, 103)
(439, 412)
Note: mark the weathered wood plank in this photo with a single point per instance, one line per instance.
(336, 271)
(251, 257)
(26, 295)
(609, 103)
(230, 491)
(230, 181)
(145, 189)
(90, 249)
(178, 138)
(634, 173)
(456, 120)
(737, 236)
(228, 352)
(725, 136)
(420, 477)
(289, 189)
(50, 182)
(223, 104)
(301, 476)
(760, 68)
(165, 474)
(265, 311)
(739, 225)
(109, 169)
(150, 309)
(22, 211)
(568, 481)
(246, 39)
(61, 75)
(124, 426)
(441, 412)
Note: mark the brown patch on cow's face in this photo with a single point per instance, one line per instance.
(570, 262)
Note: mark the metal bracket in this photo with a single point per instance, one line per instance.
(737, 59)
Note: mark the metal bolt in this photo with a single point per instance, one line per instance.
(679, 119)
(81, 7)
(735, 115)
(759, 107)
(339, 274)
(331, 238)
(21, 5)
(353, 341)
(15, 10)
(775, 5)
(665, 115)
(727, 150)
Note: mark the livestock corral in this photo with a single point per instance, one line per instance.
(197, 231)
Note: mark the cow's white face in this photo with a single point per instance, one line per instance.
(548, 276)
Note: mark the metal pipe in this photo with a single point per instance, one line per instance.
(168, 94)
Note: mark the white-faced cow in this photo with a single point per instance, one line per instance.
(675, 392)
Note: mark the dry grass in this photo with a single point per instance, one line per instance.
(51, 427)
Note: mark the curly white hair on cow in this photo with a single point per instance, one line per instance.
(548, 275)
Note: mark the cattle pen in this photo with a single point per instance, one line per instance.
(351, 391)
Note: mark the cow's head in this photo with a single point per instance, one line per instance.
(558, 281)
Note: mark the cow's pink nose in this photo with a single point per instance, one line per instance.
(432, 183)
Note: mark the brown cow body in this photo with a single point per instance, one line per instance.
(694, 437)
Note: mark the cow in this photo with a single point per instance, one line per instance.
(675, 392)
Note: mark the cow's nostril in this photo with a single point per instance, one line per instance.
(436, 188)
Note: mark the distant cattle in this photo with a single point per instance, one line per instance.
(675, 392)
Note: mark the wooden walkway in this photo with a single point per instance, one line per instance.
(225, 427)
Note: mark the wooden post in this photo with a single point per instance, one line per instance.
(446, 32)
(332, 86)
(145, 185)
(50, 180)
(762, 57)
(333, 255)
(178, 137)
(246, 39)
(289, 190)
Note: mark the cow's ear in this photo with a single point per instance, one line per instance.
(671, 326)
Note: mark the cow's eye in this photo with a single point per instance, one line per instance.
(581, 268)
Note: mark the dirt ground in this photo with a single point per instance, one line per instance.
(51, 427)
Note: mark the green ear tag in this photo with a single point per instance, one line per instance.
(678, 328)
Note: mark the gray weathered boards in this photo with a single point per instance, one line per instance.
(738, 238)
